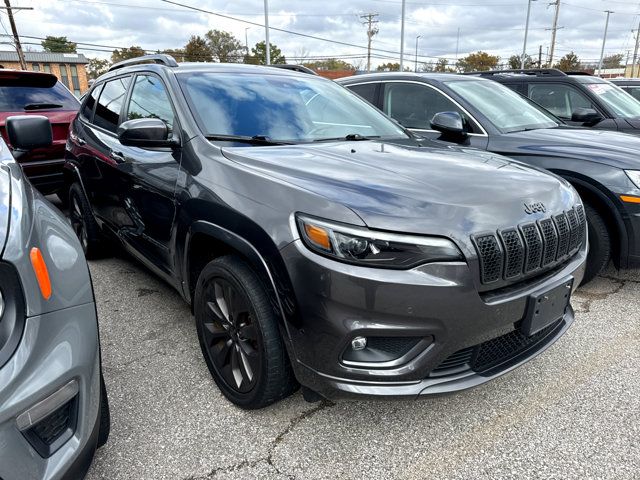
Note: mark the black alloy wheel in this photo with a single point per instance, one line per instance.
(84, 224)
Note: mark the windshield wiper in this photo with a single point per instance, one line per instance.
(352, 137)
(255, 140)
(41, 106)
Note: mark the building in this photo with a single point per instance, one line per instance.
(70, 68)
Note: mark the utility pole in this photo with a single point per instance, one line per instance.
(266, 31)
(604, 40)
(415, 68)
(246, 40)
(457, 44)
(402, 37)
(553, 32)
(16, 38)
(372, 30)
(526, 33)
(540, 57)
(635, 52)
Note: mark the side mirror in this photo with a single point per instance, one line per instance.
(145, 133)
(588, 116)
(449, 123)
(28, 132)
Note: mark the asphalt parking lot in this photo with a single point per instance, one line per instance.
(573, 412)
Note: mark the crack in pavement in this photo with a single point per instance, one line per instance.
(268, 458)
(590, 297)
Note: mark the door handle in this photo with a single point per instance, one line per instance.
(117, 157)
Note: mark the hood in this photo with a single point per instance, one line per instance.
(610, 148)
(5, 184)
(445, 191)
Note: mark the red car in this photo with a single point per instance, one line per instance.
(36, 93)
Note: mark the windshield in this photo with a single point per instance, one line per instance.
(281, 108)
(16, 98)
(505, 109)
(619, 102)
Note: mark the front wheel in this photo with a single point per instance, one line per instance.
(239, 335)
(599, 244)
(84, 224)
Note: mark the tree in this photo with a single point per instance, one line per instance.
(388, 67)
(119, 55)
(58, 45)
(613, 61)
(97, 66)
(330, 64)
(442, 65)
(515, 61)
(224, 47)
(479, 61)
(570, 62)
(177, 53)
(259, 54)
(197, 49)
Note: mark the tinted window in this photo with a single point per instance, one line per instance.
(16, 98)
(561, 100)
(301, 108)
(87, 108)
(366, 91)
(414, 105)
(634, 91)
(149, 99)
(110, 103)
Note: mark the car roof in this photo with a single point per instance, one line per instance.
(425, 76)
(38, 79)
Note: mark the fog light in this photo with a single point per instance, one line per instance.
(359, 343)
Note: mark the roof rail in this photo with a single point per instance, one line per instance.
(578, 72)
(295, 68)
(160, 58)
(538, 72)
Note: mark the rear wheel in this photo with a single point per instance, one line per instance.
(239, 335)
(84, 224)
(599, 244)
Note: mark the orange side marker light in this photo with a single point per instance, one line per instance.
(318, 235)
(42, 274)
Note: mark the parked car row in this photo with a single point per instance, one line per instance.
(320, 242)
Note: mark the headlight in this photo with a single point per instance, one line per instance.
(634, 176)
(376, 249)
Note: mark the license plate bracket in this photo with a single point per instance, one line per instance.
(546, 307)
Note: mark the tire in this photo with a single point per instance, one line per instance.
(84, 224)
(63, 196)
(105, 414)
(239, 335)
(599, 244)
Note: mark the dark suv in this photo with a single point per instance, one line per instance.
(578, 98)
(629, 85)
(318, 240)
(469, 111)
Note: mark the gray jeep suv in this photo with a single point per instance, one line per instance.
(316, 239)
(53, 404)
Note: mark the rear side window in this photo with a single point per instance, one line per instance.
(634, 91)
(149, 99)
(17, 98)
(89, 104)
(107, 114)
(561, 100)
(368, 91)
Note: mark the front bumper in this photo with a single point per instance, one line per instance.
(56, 348)
(438, 304)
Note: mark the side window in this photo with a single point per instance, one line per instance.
(634, 91)
(561, 100)
(112, 98)
(86, 111)
(414, 105)
(368, 91)
(149, 99)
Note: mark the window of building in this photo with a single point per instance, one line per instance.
(75, 81)
(35, 67)
(149, 99)
(46, 67)
(107, 114)
(64, 76)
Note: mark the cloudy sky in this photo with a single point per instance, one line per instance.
(495, 26)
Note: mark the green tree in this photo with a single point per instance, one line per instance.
(442, 65)
(515, 61)
(58, 44)
(613, 61)
(570, 62)
(330, 64)
(224, 47)
(197, 49)
(478, 61)
(388, 67)
(259, 54)
(119, 55)
(97, 66)
(177, 53)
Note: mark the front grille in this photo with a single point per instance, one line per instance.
(530, 247)
(53, 431)
(394, 346)
(493, 353)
